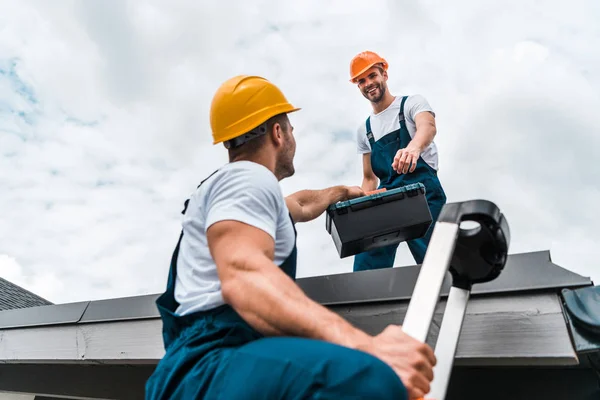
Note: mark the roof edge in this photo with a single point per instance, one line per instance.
(393, 284)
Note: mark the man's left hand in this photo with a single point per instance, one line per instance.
(406, 159)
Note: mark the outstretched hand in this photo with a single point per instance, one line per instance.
(306, 205)
(406, 159)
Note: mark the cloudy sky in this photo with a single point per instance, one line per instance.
(104, 121)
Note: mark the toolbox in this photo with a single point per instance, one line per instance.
(378, 220)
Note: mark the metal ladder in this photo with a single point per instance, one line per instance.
(472, 256)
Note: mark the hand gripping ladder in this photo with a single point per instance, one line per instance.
(473, 256)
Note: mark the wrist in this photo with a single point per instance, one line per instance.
(417, 146)
(339, 331)
(362, 342)
(355, 338)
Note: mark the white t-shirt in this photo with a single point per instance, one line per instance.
(242, 191)
(387, 121)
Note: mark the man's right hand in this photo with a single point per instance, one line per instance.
(412, 360)
(353, 192)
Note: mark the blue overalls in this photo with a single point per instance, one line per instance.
(383, 152)
(215, 354)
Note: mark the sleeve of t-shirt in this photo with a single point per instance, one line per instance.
(362, 143)
(414, 105)
(251, 196)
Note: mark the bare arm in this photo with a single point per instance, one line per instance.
(306, 205)
(426, 130)
(267, 298)
(370, 180)
(275, 306)
(406, 159)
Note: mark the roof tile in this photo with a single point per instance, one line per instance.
(13, 296)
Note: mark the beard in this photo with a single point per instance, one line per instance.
(377, 96)
(285, 162)
(285, 168)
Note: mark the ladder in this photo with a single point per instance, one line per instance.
(472, 255)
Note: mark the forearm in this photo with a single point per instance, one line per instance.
(314, 202)
(424, 135)
(274, 305)
(369, 184)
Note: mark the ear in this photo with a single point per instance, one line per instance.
(277, 134)
(385, 75)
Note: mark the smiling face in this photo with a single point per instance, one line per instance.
(373, 84)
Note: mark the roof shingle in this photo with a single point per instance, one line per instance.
(13, 296)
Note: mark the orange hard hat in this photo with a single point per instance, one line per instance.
(363, 61)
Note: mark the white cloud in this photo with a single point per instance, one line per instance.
(104, 121)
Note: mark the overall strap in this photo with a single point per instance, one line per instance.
(187, 201)
(370, 133)
(170, 298)
(167, 299)
(401, 116)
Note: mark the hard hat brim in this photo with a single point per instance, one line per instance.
(276, 110)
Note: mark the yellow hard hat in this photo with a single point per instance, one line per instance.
(243, 103)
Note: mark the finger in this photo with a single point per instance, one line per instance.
(406, 164)
(425, 368)
(396, 160)
(402, 163)
(423, 365)
(414, 163)
(414, 166)
(427, 351)
(399, 154)
(414, 393)
(420, 384)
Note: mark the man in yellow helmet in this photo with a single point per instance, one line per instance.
(398, 149)
(235, 324)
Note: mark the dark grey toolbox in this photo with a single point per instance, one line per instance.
(378, 220)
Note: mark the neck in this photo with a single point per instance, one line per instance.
(385, 102)
(262, 158)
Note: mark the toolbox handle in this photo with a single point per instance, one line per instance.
(376, 200)
(381, 197)
(356, 204)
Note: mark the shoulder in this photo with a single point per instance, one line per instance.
(244, 192)
(415, 99)
(242, 179)
(361, 129)
(415, 104)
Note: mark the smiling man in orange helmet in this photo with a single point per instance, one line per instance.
(396, 143)
(235, 323)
